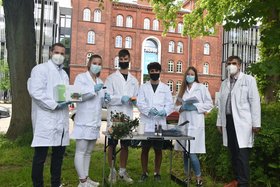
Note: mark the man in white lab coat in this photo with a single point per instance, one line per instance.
(49, 119)
(155, 103)
(122, 88)
(239, 118)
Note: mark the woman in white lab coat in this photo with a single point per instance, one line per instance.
(87, 120)
(193, 101)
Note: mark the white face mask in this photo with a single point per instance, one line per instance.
(232, 69)
(58, 59)
(95, 69)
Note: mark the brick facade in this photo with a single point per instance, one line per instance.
(106, 32)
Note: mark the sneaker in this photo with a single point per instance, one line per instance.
(113, 177)
(92, 182)
(157, 177)
(143, 177)
(199, 182)
(85, 184)
(125, 177)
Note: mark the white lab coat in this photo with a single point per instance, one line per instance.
(196, 126)
(246, 109)
(50, 126)
(147, 99)
(117, 87)
(88, 115)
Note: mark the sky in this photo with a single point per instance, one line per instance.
(64, 3)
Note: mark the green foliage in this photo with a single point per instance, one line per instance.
(4, 76)
(264, 160)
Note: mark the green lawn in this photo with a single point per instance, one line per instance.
(16, 159)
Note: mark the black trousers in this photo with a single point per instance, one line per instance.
(239, 156)
(39, 159)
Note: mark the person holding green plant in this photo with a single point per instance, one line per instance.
(193, 101)
(239, 118)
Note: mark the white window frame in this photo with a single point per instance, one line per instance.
(180, 28)
(171, 29)
(170, 66)
(119, 21)
(118, 41)
(91, 37)
(178, 86)
(180, 47)
(86, 14)
(171, 47)
(129, 21)
(170, 84)
(116, 62)
(89, 54)
(206, 49)
(206, 84)
(179, 67)
(206, 68)
(147, 24)
(155, 25)
(97, 16)
(128, 42)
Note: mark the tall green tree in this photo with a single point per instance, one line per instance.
(21, 47)
(208, 14)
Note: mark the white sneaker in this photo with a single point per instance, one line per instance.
(112, 177)
(92, 182)
(124, 176)
(85, 184)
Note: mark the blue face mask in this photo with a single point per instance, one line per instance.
(190, 78)
(95, 69)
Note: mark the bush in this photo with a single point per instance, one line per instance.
(264, 158)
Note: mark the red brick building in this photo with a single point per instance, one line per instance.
(131, 24)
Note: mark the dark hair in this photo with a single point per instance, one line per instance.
(123, 53)
(154, 65)
(91, 58)
(231, 58)
(57, 44)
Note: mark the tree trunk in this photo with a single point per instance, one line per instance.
(21, 47)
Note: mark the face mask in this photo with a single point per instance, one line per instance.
(124, 65)
(190, 78)
(232, 69)
(154, 76)
(95, 69)
(58, 59)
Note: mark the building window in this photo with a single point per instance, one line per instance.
(180, 28)
(119, 21)
(206, 84)
(147, 23)
(118, 43)
(97, 15)
(88, 56)
(155, 25)
(171, 47)
(180, 47)
(65, 21)
(128, 42)
(171, 29)
(86, 14)
(91, 37)
(206, 50)
(179, 67)
(170, 66)
(116, 62)
(178, 86)
(170, 84)
(129, 21)
(205, 68)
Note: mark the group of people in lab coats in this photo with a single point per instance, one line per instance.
(154, 101)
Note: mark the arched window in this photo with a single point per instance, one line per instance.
(180, 47)
(97, 15)
(116, 62)
(128, 21)
(88, 56)
(206, 84)
(170, 66)
(179, 67)
(171, 47)
(171, 29)
(118, 43)
(206, 50)
(128, 42)
(205, 68)
(119, 22)
(91, 37)
(147, 23)
(180, 28)
(155, 25)
(170, 84)
(178, 86)
(86, 14)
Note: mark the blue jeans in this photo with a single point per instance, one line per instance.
(194, 163)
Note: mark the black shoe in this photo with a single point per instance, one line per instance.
(199, 182)
(157, 177)
(144, 177)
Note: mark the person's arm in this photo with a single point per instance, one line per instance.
(169, 106)
(255, 105)
(219, 122)
(87, 92)
(115, 98)
(141, 102)
(206, 104)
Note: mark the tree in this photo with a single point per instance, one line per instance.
(4, 75)
(21, 47)
(234, 14)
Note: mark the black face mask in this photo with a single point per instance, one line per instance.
(124, 65)
(154, 76)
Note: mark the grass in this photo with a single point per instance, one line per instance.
(16, 160)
